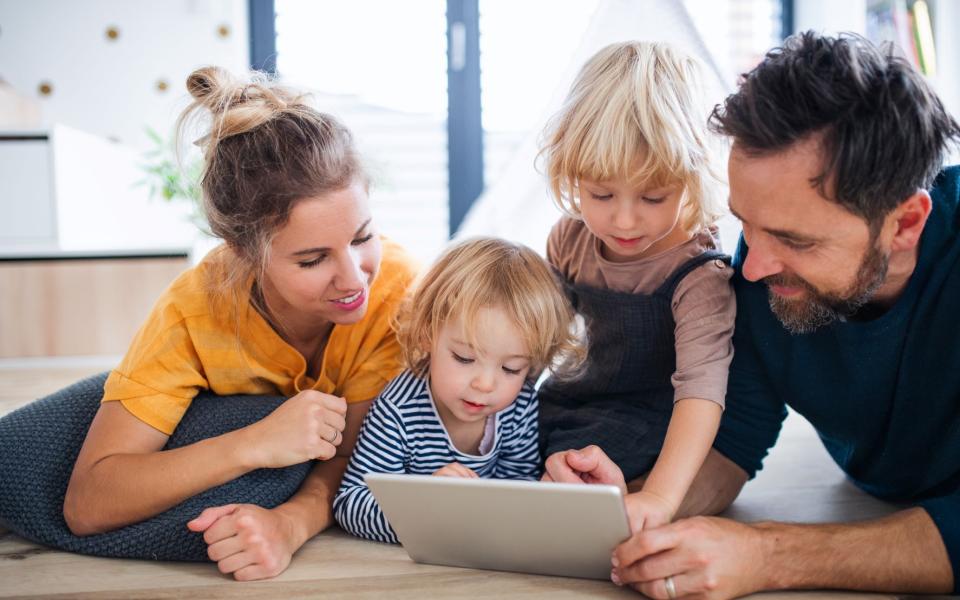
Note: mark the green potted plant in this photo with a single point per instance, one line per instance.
(171, 179)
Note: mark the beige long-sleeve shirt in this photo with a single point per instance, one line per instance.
(704, 306)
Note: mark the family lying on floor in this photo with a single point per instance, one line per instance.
(664, 369)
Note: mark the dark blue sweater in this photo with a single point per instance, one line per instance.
(884, 394)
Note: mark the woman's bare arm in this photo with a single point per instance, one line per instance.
(122, 476)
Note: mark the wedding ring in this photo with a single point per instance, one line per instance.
(671, 588)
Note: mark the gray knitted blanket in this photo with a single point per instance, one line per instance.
(39, 444)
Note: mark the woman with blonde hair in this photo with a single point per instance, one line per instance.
(297, 302)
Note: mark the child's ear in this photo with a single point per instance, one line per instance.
(425, 345)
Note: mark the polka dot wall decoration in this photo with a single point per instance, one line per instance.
(223, 31)
(162, 85)
(112, 33)
(45, 88)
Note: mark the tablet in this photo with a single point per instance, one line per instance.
(523, 526)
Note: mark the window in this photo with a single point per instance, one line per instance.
(388, 84)
(525, 48)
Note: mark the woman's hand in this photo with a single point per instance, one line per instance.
(307, 426)
(455, 469)
(647, 510)
(246, 540)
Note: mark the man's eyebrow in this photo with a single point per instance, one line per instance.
(321, 250)
(785, 234)
(793, 236)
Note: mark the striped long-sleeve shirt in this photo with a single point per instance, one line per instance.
(402, 433)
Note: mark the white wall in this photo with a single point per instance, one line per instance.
(110, 87)
(113, 89)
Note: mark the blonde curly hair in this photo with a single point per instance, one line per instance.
(488, 272)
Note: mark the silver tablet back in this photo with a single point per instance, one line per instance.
(531, 527)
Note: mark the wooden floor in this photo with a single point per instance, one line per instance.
(799, 483)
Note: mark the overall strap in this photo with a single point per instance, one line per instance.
(670, 285)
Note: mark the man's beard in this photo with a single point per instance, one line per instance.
(818, 309)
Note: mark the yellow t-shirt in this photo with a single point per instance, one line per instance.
(191, 343)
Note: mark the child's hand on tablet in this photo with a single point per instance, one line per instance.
(455, 469)
(647, 510)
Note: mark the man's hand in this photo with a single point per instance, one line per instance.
(588, 465)
(708, 557)
(246, 540)
(718, 558)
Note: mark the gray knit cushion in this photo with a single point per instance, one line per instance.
(39, 444)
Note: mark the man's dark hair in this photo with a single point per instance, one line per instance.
(884, 131)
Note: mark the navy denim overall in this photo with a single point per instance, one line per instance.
(623, 400)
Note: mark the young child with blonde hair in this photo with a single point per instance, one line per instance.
(480, 327)
(630, 161)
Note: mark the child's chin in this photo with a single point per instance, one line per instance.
(472, 417)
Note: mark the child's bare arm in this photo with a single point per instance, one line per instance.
(690, 435)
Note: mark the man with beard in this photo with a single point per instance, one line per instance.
(848, 293)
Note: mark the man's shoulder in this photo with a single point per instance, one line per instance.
(947, 183)
(945, 193)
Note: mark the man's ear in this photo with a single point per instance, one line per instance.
(906, 222)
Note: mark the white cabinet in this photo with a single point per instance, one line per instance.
(27, 212)
(68, 190)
